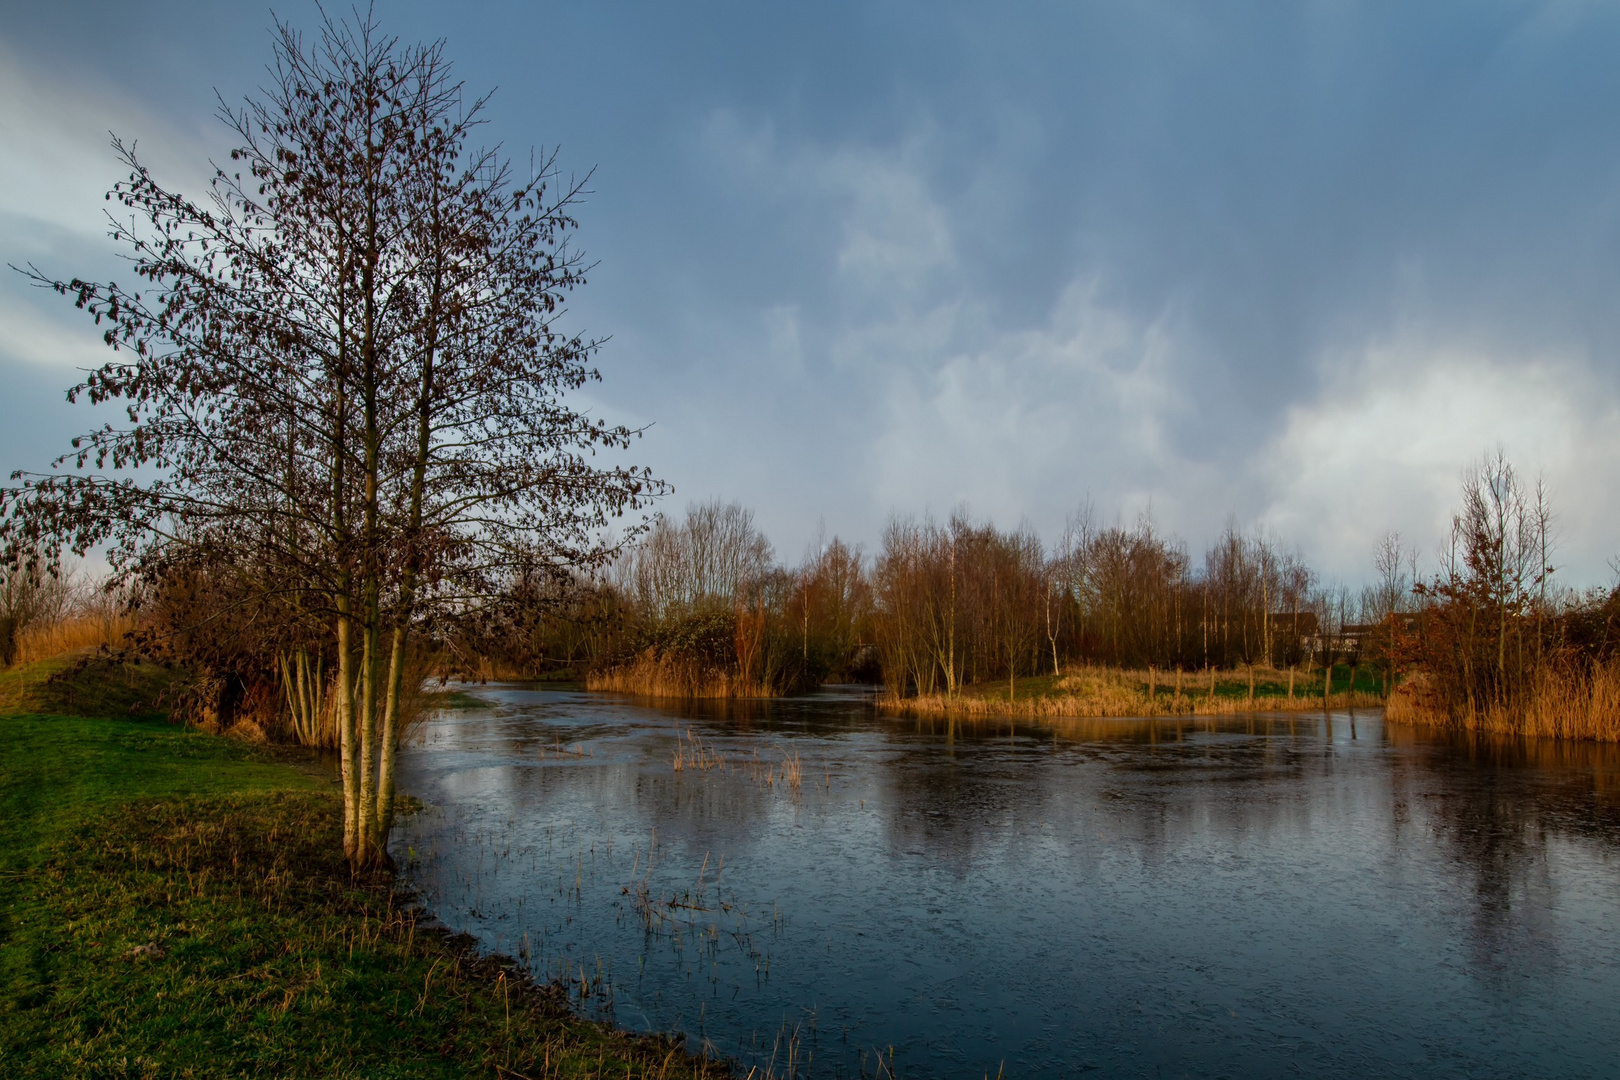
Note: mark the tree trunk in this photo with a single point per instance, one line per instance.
(347, 736)
(368, 741)
(390, 743)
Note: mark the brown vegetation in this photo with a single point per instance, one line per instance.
(699, 609)
(76, 633)
(652, 675)
(1497, 648)
(1558, 704)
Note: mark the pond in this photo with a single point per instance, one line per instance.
(818, 889)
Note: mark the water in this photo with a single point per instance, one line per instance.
(1248, 897)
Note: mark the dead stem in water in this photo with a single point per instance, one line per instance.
(692, 754)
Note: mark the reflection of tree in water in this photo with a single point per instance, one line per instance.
(835, 711)
(1499, 808)
(954, 785)
(945, 805)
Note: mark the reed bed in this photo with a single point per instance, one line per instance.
(1358, 699)
(661, 677)
(78, 633)
(1562, 704)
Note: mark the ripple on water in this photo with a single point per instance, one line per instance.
(1245, 896)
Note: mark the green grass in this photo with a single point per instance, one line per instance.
(174, 904)
(455, 699)
(84, 685)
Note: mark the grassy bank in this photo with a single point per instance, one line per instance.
(173, 904)
(83, 684)
(1103, 692)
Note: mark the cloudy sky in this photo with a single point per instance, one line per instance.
(1291, 265)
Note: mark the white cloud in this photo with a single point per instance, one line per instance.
(895, 235)
(1384, 443)
(784, 352)
(894, 238)
(1031, 420)
(1018, 421)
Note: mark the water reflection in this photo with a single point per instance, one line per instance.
(1260, 895)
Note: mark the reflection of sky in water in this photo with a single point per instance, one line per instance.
(1253, 897)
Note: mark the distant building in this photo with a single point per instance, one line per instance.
(1298, 627)
(1351, 636)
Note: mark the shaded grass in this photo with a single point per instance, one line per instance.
(174, 904)
(84, 684)
(454, 700)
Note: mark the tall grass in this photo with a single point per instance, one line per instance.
(84, 632)
(1562, 703)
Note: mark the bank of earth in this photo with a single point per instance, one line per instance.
(175, 904)
(1096, 691)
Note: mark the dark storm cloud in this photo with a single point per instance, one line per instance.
(1294, 262)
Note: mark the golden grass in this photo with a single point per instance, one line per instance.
(1149, 729)
(79, 633)
(1563, 705)
(1112, 692)
(661, 677)
(1360, 699)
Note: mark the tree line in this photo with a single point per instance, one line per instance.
(940, 605)
(701, 606)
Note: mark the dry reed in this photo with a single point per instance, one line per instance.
(692, 754)
(1562, 704)
(76, 633)
(661, 677)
